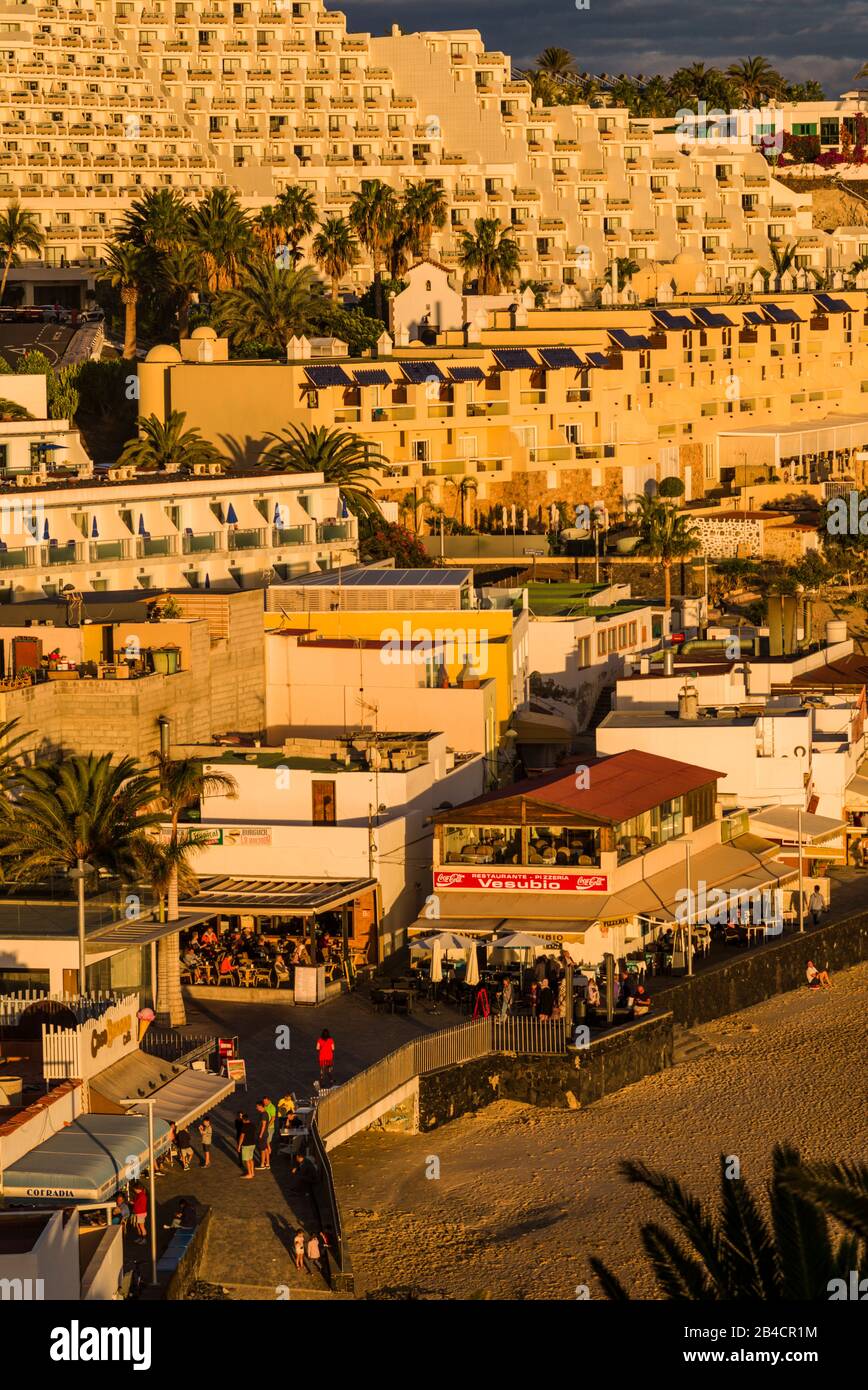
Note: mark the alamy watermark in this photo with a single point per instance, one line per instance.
(415, 646)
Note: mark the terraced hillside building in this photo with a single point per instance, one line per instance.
(102, 99)
(551, 405)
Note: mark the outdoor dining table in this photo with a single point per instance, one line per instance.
(392, 992)
(754, 932)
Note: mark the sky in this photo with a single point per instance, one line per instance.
(802, 38)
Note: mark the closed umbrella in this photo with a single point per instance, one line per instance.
(472, 974)
(231, 516)
(436, 965)
(277, 521)
(143, 530)
(207, 581)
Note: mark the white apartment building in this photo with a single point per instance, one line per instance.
(340, 809)
(104, 99)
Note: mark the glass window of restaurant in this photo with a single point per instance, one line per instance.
(650, 828)
(559, 844)
(481, 844)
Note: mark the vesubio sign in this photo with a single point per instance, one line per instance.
(522, 882)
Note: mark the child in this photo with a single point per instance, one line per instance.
(298, 1246)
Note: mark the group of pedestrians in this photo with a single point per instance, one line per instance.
(311, 1253)
(255, 1133)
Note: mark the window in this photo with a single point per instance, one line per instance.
(829, 131)
(323, 803)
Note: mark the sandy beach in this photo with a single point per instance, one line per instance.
(525, 1196)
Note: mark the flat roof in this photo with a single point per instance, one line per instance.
(806, 427)
(847, 670)
(364, 577)
(618, 787)
(669, 718)
(292, 897)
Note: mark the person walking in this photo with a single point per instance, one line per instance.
(506, 997)
(313, 1252)
(206, 1134)
(325, 1050)
(816, 905)
(298, 1246)
(185, 1147)
(247, 1146)
(268, 1116)
(140, 1213)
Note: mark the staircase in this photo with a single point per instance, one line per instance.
(688, 1046)
(602, 707)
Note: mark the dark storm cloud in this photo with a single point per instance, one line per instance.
(805, 40)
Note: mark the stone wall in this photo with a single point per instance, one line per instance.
(561, 1083)
(752, 977)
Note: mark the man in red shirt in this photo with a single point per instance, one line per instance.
(325, 1050)
(140, 1213)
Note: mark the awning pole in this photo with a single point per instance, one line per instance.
(150, 1102)
(801, 891)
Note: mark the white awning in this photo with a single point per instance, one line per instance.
(151, 517)
(856, 794)
(190, 1095)
(109, 526)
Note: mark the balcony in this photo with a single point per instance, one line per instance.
(291, 535)
(483, 408)
(109, 550)
(155, 546)
(201, 544)
(16, 559)
(247, 539)
(335, 531)
(66, 554)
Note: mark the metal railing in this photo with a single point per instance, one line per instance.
(178, 1047)
(449, 1047)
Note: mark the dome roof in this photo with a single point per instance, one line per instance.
(163, 353)
(205, 331)
(690, 256)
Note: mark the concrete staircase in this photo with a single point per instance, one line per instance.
(688, 1046)
(602, 707)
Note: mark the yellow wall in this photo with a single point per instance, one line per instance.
(494, 627)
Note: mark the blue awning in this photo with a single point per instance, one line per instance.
(630, 342)
(372, 376)
(86, 1161)
(673, 323)
(560, 357)
(419, 372)
(514, 359)
(833, 306)
(709, 318)
(327, 376)
(779, 315)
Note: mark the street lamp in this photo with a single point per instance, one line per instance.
(152, 1168)
(78, 875)
(800, 753)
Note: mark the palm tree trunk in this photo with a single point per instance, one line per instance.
(129, 330)
(7, 263)
(335, 282)
(170, 1001)
(184, 317)
(667, 584)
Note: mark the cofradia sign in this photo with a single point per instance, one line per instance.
(522, 882)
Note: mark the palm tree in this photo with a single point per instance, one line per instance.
(19, 231)
(10, 755)
(342, 458)
(297, 215)
(741, 1254)
(159, 220)
(464, 489)
(423, 211)
(125, 269)
(270, 305)
(84, 814)
(783, 259)
(755, 79)
(375, 218)
(557, 62)
(335, 250)
(625, 269)
(491, 252)
(183, 784)
(268, 231)
(858, 266)
(222, 232)
(180, 277)
(168, 447)
(665, 535)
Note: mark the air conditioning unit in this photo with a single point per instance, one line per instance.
(28, 479)
(215, 470)
(201, 470)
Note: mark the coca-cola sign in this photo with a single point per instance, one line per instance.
(519, 880)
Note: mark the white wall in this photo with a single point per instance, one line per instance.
(65, 1106)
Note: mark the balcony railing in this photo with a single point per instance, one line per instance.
(487, 407)
(291, 535)
(156, 546)
(66, 554)
(201, 544)
(334, 531)
(249, 539)
(109, 550)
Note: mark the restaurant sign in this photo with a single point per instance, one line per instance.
(523, 880)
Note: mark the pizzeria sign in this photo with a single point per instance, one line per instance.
(523, 881)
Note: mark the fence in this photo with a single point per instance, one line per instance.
(447, 1048)
(83, 1006)
(178, 1047)
(94, 1043)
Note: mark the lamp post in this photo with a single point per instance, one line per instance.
(78, 875)
(152, 1184)
(687, 871)
(800, 752)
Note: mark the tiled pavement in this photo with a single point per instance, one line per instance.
(249, 1248)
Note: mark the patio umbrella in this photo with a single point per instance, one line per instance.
(277, 520)
(143, 530)
(436, 966)
(471, 976)
(207, 581)
(449, 943)
(521, 941)
(94, 529)
(231, 516)
(46, 534)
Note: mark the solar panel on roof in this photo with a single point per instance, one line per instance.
(673, 322)
(833, 306)
(417, 372)
(372, 376)
(632, 342)
(467, 373)
(754, 318)
(779, 315)
(560, 357)
(599, 359)
(327, 376)
(514, 359)
(709, 318)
